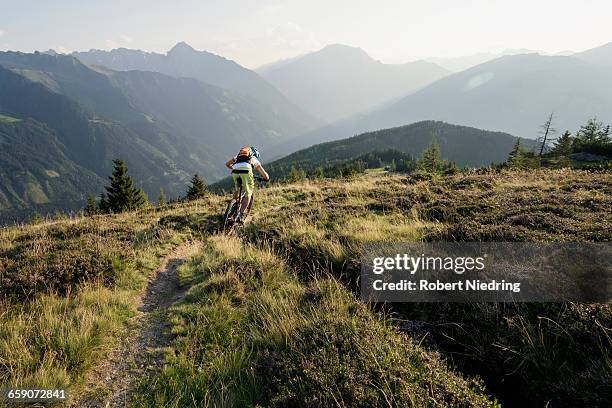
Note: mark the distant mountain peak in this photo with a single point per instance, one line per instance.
(181, 47)
(338, 46)
(344, 50)
(339, 80)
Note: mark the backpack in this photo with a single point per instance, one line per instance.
(244, 155)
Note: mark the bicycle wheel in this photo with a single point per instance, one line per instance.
(230, 214)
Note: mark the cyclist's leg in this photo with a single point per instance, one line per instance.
(237, 181)
(248, 184)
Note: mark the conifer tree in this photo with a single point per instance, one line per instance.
(35, 218)
(451, 168)
(91, 208)
(161, 199)
(430, 160)
(516, 157)
(319, 173)
(563, 145)
(197, 189)
(103, 204)
(296, 175)
(592, 132)
(140, 199)
(120, 194)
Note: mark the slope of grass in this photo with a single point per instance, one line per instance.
(250, 334)
(551, 352)
(69, 286)
(270, 318)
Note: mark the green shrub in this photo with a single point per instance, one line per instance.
(59, 257)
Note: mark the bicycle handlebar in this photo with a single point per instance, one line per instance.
(261, 179)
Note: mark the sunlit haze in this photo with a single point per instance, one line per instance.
(256, 32)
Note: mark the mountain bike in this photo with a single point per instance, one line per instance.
(229, 218)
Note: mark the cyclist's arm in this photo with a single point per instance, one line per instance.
(230, 163)
(263, 172)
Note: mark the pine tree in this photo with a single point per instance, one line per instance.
(430, 160)
(592, 131)
(103, 207)
(197, 189)
(451, 168)
(563, 145)
(140, 199)
(296, 175)
(35, 218)
(120, 194)
(516, 157)
(594, 137)
(91, 208)
(319, 173)
(161, 200)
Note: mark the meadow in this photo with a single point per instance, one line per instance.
(271, 315)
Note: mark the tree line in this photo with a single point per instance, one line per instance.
(592, 142)
(120, 195)
(593, 138)
(390, 160)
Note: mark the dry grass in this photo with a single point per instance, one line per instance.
(250, 334)
(553, 352)
(271, 324)
(69, 286)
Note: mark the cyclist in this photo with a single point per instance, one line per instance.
(242, 166)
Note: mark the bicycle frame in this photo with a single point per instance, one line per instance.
(233, 207)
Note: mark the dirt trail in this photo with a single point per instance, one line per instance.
(141, 350)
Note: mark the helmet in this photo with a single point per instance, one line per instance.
(255, 152)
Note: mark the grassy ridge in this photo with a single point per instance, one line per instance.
(269, 320)
(69, 286)
(552, 352)
(250, 334)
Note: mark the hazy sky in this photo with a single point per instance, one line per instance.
(254, 32)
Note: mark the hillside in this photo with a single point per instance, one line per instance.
(339, 81)
(35, 171)
(184, 61)
(465, 146)
(461, 63)
(270, 317)
(71, 139)
(165, 128)
(601, 56)
(208, 122)
(513, 94)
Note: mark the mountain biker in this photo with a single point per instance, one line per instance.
(242, 166)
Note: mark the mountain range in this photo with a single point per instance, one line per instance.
(339, 81)
(184, 61)
(63, 118)
(513, 94)
(78, 118)
(461, 63)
